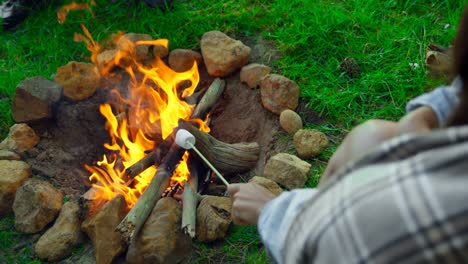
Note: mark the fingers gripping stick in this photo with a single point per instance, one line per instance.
(187, 141)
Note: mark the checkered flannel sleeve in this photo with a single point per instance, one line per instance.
(406, 202)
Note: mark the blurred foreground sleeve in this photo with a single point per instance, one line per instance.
(276, 218)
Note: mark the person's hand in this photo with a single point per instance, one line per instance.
(248, 200)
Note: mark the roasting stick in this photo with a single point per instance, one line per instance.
(187, 141)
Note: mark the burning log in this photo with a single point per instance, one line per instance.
(228, 158)
(154, 158)
(133, 222)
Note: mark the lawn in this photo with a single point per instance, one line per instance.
(312, 37)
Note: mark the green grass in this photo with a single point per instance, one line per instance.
(312, 37)
(8, 239)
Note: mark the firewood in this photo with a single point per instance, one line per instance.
(227, 158)
(135, 219)
(209, 98)
(152, 158)
(190, 198)
(189, 209)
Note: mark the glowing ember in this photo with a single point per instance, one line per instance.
(150, 113)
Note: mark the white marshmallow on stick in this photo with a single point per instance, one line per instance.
(187, 141)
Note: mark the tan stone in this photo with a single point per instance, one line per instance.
(252, 74)
(21, 137)
(57, 243)
(34, 99)
(290, 121)
(12, 175)
(79, 80)
(128, 42)
(213, 218)
(279, 93)
(36, 204)
(287, 170)
(100, 228)
(161, 239)
(309, 143)
(223, 55)
(267, 184)
(106, 57)
(181, 60)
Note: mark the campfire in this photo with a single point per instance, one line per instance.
(117, 118)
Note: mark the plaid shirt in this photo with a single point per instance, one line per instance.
(405, 202)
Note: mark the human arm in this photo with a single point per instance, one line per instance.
(442, 101)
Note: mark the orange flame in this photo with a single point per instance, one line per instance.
(62, 13)
(152, 109)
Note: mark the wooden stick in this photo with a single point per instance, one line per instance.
(190, 198)
(189, 209)
(228, 158)
(209, 98)
(135, 219)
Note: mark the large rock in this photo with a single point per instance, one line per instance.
(267, 184)
(223, 55)
(161, 239)
(79, 80)
(34, 98)
(20, 138)
(287, 170)
(100, 228)
(181, 60)
(128, 42)
(36, 204)
(279, 93)
(57, 243)
(252, 74)
(213, 218)
(309, 143)
(13, 173)
(290, 121)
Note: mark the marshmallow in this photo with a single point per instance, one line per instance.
(184, 139)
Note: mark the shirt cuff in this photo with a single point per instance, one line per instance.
(276, 218)
(443, 101)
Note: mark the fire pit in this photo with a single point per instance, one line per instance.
(117, 118)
